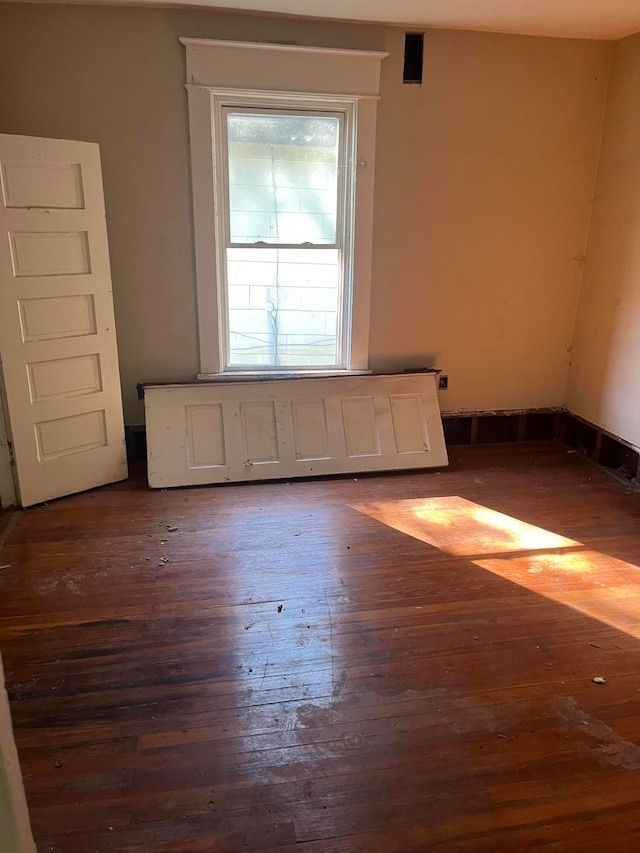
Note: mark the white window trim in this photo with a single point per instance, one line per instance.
(346, 107)
(221, 71)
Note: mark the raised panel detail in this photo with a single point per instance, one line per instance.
(52, 317)
(45, 253)
(46, 185)
(310, 429)
(259, 432)
(73, 434)
(409, 423)
(360, 428)
(205, 436)
(64, 377)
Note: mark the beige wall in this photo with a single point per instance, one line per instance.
(482, 211)
(483, 185)
(604, 378)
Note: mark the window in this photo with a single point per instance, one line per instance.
(285, 205)
(283, 230)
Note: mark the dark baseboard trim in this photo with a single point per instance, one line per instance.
(603, 447)
(136, 440)
(459, 428)
(501, 426)
(498, 427)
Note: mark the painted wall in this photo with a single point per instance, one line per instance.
(483, 185)
(604, 379)
(15, 830)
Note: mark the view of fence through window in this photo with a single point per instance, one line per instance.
(284, 287)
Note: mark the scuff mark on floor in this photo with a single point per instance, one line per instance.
(613, 748)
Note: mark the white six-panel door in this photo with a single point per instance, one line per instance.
(57, 330)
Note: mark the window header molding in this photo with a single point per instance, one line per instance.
(282, 67)
(291, 48)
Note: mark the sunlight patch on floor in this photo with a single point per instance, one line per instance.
(559, 568)
(458, 526)
(593, 583)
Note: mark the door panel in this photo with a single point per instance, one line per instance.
(236, 431)
(57, 329)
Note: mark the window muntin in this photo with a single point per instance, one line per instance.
(284, 207)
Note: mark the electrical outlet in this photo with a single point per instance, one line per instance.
(443, 382)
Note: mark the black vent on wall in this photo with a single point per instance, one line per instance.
(413, 47)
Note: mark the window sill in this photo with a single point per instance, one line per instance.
(266, 376)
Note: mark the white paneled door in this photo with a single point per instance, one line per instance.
(60, 374)
(240, 431)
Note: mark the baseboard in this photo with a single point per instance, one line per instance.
(136, 441)
(498, 427)
(459, 428)
(598, 444)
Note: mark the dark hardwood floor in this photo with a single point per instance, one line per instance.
(390, 663)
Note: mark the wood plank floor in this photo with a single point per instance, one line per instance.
(389, 663)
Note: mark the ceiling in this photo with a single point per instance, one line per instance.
(594, 19)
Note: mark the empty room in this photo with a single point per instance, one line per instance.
(319, 426)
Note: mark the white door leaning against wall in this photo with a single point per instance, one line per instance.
(59, 374)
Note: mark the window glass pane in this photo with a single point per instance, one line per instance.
(283, 178)
(283, 307)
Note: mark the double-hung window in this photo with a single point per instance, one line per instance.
(284, 205)
(282, 168)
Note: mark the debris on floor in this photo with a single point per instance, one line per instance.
(598, 679)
